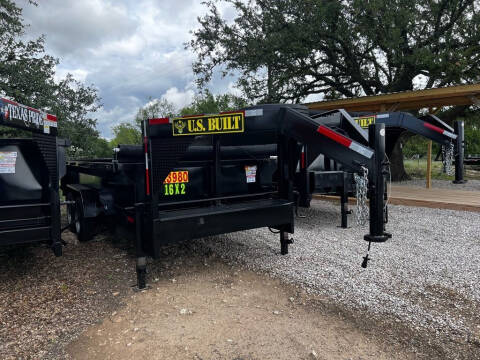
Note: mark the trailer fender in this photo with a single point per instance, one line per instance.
(107, 201)
(89, 199)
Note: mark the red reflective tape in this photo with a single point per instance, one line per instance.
(433, 127)
(51, 117)
(130, 219)
(145, 142)
(302, 160)
(192, 116)
(10, 101)
(334, 136)
(147, 179)
(158, 121)
(232, 112)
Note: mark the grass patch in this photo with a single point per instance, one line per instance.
(417, 169)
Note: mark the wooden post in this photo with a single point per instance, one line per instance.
(429, 165)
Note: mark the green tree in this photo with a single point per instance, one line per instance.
(285, 50)
(472, 132)
(155, 108)
(288, 49)
(126, 134)
(207, 103)
(26, 72)
(74, 103)
(27, 76)
(102, 148)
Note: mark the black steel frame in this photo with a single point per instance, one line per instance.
(28, 223)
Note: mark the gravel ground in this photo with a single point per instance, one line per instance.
(470, 185)
(427, 276)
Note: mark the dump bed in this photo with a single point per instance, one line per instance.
(29, 176)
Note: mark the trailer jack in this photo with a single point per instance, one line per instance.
(284, 242)
(141, 267)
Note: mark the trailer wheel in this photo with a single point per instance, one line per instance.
(71, 214)
(83, 226)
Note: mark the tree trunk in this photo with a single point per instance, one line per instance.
(395, 154)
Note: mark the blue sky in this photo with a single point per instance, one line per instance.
(129, 49)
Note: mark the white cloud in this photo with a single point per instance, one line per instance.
(78, 74)
(111, 117)
(131, 50)
(73, 27)
(314, 98)
(179, 99)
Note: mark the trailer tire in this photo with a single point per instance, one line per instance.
(83, 226)
(71, 214)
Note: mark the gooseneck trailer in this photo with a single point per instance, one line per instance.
(325, 175)
(29, 178)
(204, 175)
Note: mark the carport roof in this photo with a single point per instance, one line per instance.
(406, 100)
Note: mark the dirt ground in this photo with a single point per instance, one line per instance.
(199, 306)
(216, 312)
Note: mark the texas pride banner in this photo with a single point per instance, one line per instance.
(25, 117)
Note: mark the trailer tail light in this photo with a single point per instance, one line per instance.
(343, 140)
(302, 159)
(439, 130)
(158, 121)
(130, 219)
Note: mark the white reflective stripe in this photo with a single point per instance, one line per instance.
(361, 149)
(449, 134)
(253, 112)
(383, 116)
(50, 123)
(144, 141)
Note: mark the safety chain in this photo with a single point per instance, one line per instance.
(361, 188)
(447, 159)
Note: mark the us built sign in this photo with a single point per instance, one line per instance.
(209, 124)
(365, 121)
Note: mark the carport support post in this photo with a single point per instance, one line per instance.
(459, 150)
(429, 165)
(141, 263)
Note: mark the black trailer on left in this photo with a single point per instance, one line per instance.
(30, 169)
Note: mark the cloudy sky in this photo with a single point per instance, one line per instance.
(129, 49)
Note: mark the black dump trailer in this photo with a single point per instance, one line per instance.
(212, 174)
(30, 169)
(325, 175)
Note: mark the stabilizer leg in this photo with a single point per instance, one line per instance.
(344, 203)
(284, 242)
(141, 267)
(141, 263)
